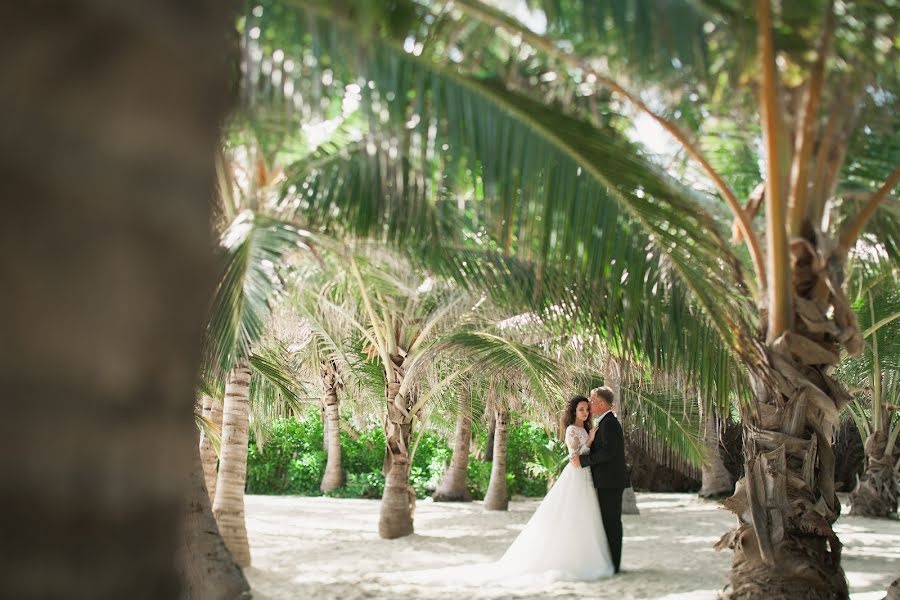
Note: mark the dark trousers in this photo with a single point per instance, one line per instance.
(611, 511)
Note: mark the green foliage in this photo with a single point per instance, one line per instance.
(525, 442)
(361, 485)
(293, 462)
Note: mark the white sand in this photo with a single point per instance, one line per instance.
(327, 548)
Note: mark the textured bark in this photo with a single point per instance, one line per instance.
(228, 505)
(497, 497)
(399, 500)
(208, 569)
(785, 547)
(323, 414)
(212, 410)
(111, 122)
(453, 487)
(332, 477)
(715, 478)
(876, 494)
(629, 502)
(893, 592)
(489, 439)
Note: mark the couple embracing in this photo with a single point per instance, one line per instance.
(576, 532)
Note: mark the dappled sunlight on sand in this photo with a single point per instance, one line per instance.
(328, 548)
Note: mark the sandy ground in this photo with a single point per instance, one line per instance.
(327, 548)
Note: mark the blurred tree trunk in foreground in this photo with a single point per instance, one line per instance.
(111, 118)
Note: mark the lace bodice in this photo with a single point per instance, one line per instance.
(576, 440)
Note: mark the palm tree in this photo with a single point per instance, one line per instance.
(228, 503)
(496, 497)
(328, 356)
(208, 569)
(875, 377)
(240, 311)
(96, 348)
(407, 323)
(605, 205)
(212, 413)
(715, 479)
(330, 384)
(453, 486)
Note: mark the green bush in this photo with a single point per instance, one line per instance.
(523, 444)
(292, 461)
(361, 485)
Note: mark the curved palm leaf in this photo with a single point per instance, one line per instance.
(252, 245)
(274, 391)
(493, 352)
(667, 423)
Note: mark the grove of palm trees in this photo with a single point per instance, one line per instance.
(296, 293)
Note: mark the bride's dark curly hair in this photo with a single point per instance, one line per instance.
(571, 407)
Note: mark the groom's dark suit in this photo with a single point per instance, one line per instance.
(607, 463)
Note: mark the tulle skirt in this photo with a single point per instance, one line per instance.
(563, 541)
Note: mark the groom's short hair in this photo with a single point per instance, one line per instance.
(605, 393)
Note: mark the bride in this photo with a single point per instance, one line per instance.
(563, 541)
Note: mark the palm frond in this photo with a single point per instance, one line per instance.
(492, 352)
(274, 391)
(210, 430)
(252, 245)
(666, 423)
(561, 198)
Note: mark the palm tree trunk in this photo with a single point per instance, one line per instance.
(489, 439)
(784, 546)
(212, 409)
(497, 497)
(453, 485)
(332, 477)
(893, 592)
(323, 414)
(107, 272)
(876, 494)
(228, 505)
(207, 567)
(629, 502)
(714, 477)
(399, 500)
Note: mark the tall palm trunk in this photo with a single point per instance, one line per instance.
(228, 505)
(98, 358)
(489, 438)
(497, 497)
(784, 546)
(714, 477)
(453, 485)
(629, 502)
(208, 569)
(332, 477)
(212, 410)
(323, 414)
(399, 500)
(876, 494)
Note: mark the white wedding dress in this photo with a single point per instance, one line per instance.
(563, 541)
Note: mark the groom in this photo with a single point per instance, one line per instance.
(607, 463)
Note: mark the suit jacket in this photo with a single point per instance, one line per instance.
(607, 456)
